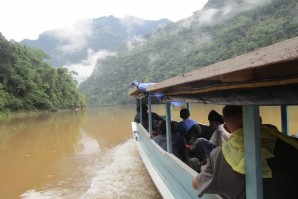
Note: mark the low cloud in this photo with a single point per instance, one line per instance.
(212, 16)
(153, 57)
(206, 16)
(74, 38)
(134, 42)
(132, 21)
(85, 67)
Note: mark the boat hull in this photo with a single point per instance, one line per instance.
(171, 176)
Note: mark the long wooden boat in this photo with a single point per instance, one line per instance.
(268, 76)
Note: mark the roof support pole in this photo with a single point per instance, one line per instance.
(252, 146)
(284, 119)
(188, 106)
(149, 115)
(137, 102)
(168, 122)
(141, 112)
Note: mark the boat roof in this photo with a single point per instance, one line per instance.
(267, 76)
(139, 90)
(136, 92)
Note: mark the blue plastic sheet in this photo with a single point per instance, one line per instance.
(143, 86)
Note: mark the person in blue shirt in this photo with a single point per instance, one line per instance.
(184, 126)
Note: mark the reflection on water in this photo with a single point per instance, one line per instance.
(63, 155)
(85, 154)
(30, 146)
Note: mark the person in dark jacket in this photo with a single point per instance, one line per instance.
(178, 143)
(202, 147)
(156, 119)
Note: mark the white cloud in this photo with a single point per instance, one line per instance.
(153, 57)
(227, 10)
(213, 15)
(206, 16)
(73, 38)
(255, 3)
(27, 19)
(131, 21)
(136, 41)
(85, 67)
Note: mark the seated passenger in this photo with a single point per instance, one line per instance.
(224, 173)
(202, 147)
(184, 126)
(220, 131)
(198, 131)
(178, 143)
(156, 119)
(194, 132)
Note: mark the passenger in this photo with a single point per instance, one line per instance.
(224, 173)
(220, 130)
(202, 147)
(184, 126)
(178, 143)
(156, 119)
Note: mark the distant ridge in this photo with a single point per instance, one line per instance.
(67, 46)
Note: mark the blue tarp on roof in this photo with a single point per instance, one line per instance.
(143, 86)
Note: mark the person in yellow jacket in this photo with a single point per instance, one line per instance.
(224, 173)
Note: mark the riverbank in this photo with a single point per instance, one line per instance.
(24, 113)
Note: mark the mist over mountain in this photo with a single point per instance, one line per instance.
(79, 46)
(222, 29)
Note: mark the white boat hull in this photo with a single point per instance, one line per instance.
(171, 176)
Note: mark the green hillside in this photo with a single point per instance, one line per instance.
(190, 44)
(27, 82)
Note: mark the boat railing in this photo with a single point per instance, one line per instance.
(173, 172)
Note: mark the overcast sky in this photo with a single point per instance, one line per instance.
(21, 19)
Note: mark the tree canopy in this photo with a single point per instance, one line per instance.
(27, 82)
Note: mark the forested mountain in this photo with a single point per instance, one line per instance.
(68, 46)
(27, 82)
(221, 30)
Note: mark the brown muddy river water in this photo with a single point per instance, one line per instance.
(86, 155)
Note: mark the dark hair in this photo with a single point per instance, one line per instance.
(232, 111)
(163, 127)
(144, 108)
(215, 117)
(184, 113)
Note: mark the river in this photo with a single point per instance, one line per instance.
(84, 154)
